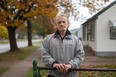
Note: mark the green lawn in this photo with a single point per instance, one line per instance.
(7, 41)
(30, 73)
(21, 54)
(18, 55)
(4, 42)
(3, 69)
(15, 56)
(37, 43)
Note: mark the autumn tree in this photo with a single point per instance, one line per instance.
(94, 5)
(15, 12)
(47, 23)
(3, 32)
(38, 30)
(21, 32)
(71, 7)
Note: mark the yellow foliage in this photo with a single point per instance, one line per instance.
(45, 8)
(3, 32)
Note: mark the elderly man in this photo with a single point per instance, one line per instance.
(62, 50)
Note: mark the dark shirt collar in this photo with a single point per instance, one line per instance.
(57, 34)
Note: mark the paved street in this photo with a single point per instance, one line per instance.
(6, 47)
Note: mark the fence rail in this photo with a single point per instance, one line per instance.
(36, 69)
(79, 69)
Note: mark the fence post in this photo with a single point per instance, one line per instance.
(35, 72)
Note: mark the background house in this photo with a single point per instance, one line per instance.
(99, 32)
(74, 31)
(77, 32)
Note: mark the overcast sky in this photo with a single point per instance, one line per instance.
(83, 12)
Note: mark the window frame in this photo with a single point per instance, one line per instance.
(111, 30)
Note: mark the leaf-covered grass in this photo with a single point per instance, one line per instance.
(17, 55)
(29, 73)
(3, 69)
(37, 43)
(98, 73)
(7, 41)
(85, 73)
(4, 42)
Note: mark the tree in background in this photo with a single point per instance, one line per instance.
(48, 25)
(43, 26)
(15, 12)
(3, 33)
(71, 7)
(21, 32)
(37, 29)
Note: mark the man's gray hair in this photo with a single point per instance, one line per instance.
(60, 15)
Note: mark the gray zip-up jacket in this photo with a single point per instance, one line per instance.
(68, 50)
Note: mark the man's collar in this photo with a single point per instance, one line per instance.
(57, 34)
(67, 33)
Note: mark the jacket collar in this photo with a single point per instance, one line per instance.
(67, 35)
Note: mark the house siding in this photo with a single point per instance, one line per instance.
(103, 31)
(102, 45)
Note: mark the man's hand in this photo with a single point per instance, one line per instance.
(63, 68)
(67, 67)
(60, 67)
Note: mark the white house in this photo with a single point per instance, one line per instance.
(74, 31)
(99, 32)
(77, 32)
(80, 33)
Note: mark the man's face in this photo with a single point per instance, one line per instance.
(62, 24)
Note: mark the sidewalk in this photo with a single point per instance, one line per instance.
(20, 68)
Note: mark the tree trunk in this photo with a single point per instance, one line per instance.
(12, 38)
(29, 33)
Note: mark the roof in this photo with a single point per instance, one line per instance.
(100, 12)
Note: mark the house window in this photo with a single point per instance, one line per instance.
(112, 33)
(112, 24)
(88, 31)
(84, 32)
(92, 36)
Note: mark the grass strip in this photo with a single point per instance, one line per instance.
(17, 55)
(3, 69)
